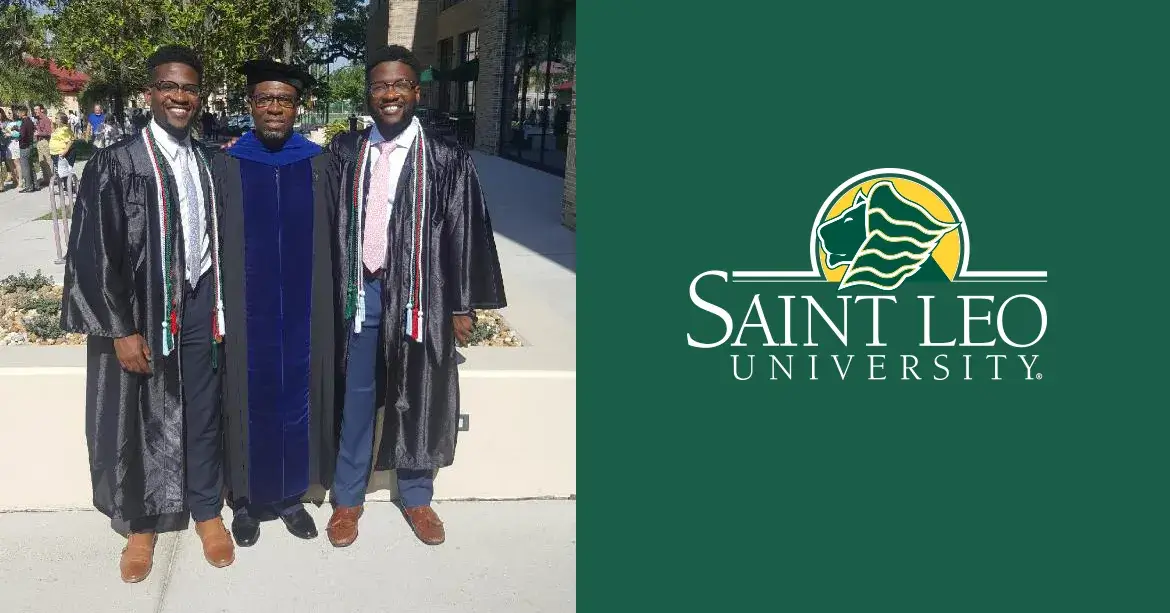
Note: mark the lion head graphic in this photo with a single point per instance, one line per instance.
(884, 237)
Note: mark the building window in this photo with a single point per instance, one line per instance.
(539, 82)
(446, 62)
(469, 97)
(469, 45)
(468, 51)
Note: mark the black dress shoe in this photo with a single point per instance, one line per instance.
(300, 524)
(246, 529)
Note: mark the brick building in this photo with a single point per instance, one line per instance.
(506, 74)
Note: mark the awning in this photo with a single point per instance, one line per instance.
(468, 71)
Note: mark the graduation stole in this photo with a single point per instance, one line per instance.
(355, 304)
(172, 269)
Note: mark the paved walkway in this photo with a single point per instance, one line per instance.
(26, 245)
(500, 557)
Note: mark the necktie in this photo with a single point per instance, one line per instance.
(378, 210)
(194, 215)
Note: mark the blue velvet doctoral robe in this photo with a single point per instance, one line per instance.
(279, 385)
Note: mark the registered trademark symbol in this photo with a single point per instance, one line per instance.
(1039, 376)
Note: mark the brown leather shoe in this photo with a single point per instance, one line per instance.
(343, 526)
(217, 542)
(426, 524)
(137, 556)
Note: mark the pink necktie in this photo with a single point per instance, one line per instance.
(377, 210)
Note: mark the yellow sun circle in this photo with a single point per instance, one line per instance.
(949, 249)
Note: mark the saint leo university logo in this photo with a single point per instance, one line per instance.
(877, 238)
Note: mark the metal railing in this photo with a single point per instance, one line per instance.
(455, 127)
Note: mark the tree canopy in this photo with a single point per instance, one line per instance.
(111, 39)
(24, 35)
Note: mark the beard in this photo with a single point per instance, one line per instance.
(273, 139)
(391, 130)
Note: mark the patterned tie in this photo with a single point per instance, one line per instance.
(377, 210)
(194, 215)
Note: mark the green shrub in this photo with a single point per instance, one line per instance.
(40, 304)
(334, 129)
(14, 283)
(45, 326)
(482, 331)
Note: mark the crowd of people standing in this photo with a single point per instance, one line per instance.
(38, 146)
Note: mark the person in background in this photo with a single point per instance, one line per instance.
(108, 133)
(11, 129)
(207, 123)
(138, 120)
(94, 122)
(74, 122)
(61, 147)
(5, 161)
(44, 130)
(28, 131)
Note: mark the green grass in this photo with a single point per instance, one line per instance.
(49, 216)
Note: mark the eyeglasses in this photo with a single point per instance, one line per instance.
(170, 87)
(264, 102)
(402, 86)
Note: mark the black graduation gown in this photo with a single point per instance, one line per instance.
(270, 453)
(461, 273)
(113, 288)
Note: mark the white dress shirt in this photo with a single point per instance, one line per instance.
(171, 149)
(403, 143)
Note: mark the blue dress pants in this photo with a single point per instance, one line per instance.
(416, 487)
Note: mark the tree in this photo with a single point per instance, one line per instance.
(291, 25)
(349, 84)
(111, 39)
(345, 37)
(24, 36)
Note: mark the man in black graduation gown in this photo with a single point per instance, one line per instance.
(142, 279)
(416, 255)
(277, 189)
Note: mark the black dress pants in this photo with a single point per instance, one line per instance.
(201, 407)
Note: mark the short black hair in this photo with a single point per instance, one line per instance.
(168, 54)
(392, 53)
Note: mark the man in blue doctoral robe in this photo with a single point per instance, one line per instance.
(278, 292)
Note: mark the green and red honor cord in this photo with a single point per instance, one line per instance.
(355, 292)
(172, 271)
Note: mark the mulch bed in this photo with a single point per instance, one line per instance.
(30, 312)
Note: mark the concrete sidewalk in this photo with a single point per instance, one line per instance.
(27, 245)
(500, 557)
